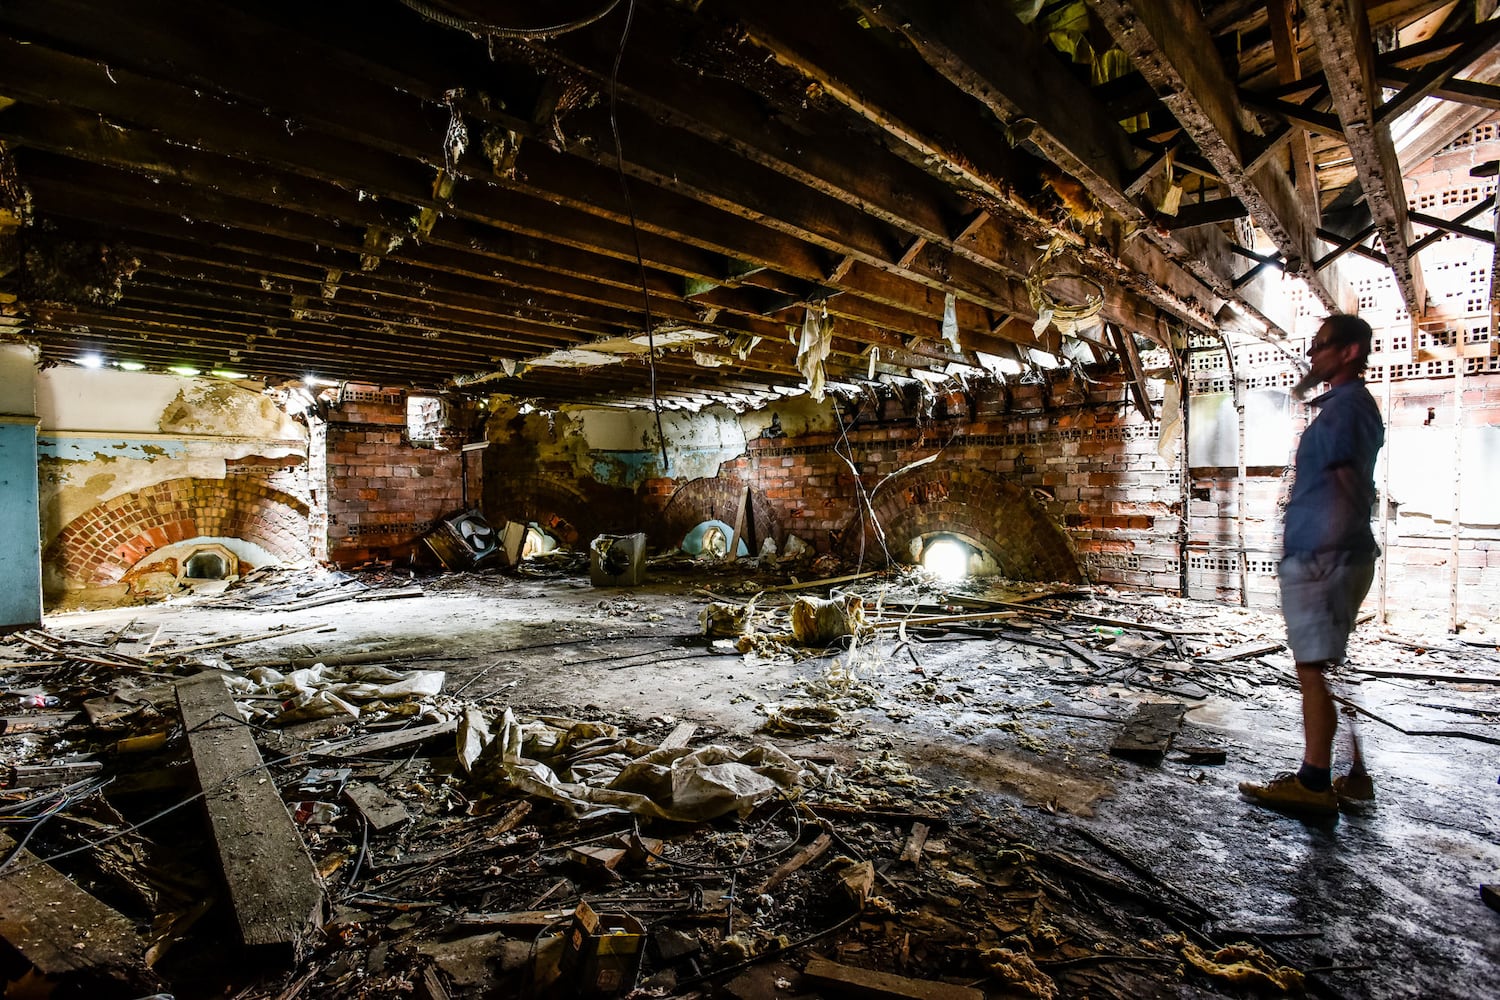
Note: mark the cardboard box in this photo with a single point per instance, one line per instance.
(602, 954)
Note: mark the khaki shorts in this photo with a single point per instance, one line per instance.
(1320, 598)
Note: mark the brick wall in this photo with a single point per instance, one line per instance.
(100, 545)
(712, 499)
(383, 493)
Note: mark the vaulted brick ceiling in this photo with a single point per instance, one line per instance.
(426, 192)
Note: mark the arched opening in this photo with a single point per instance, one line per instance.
(946, 559)
(539, 542)
(710, 540)
(204, 565)
(952, 555)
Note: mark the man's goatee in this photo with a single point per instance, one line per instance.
(1307, 383)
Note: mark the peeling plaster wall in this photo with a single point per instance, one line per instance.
(584, 471)
(108, 435)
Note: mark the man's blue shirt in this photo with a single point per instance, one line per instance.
(1347, 431)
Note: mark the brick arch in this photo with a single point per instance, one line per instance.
(557, 505)
(1002, 517)
(101, 544)
(714, 498)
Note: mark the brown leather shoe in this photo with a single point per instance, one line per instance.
(1287, 792)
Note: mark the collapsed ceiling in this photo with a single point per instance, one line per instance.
(702, 198)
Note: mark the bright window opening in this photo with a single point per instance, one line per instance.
(946, 559)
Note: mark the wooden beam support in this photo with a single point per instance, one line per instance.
(1342, 31)
(1170, 45)
(273, 885)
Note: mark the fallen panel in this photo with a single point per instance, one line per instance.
(1148, 734)
(277, 896)
(850, 981)
(58, 927)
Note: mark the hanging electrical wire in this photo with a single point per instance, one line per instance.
(635, 232)
(449, 19)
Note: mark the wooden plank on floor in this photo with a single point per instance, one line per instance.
(273, 885)
(846, 980)
(1147, 735)
(680, 736)
(400, 739)
(57, 926)
(379, 810)
(1244, 651)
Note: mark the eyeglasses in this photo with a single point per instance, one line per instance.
(1317, 346)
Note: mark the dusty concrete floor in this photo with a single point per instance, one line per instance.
(1385, 902)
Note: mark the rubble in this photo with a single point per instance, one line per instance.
(441, 834)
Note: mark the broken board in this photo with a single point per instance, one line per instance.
(1147, 735)
(273, 885)
(378, 809)
(847, 980)
(57, 926)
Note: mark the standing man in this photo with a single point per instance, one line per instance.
(1328, 560)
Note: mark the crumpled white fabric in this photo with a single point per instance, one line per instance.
(320, 691)
(679, 784)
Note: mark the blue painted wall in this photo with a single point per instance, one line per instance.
(20, 534)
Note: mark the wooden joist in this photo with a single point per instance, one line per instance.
(273, 886)
(59, 928)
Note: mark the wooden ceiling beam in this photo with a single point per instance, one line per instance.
(1342, 31)
(1172, 48)
(979, 46)
(935, 125)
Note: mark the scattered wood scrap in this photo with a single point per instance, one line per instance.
(277, 897)
(1147, 735)
(911, 851)
(400, 739)
(1244, 651)
(808, 854)
(1420, 675)
(59, 928)
(846, 980)
(378, 809)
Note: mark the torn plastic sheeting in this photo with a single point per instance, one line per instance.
(677, 784)
(813, 348)
(950, 322)
(319, 691)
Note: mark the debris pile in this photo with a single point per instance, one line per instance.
(372, 829)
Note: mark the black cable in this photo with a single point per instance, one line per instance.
(450, 20)
(635, 232)
(364, 846)
(133, 827)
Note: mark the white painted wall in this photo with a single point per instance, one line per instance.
(17, 380)
(116, 402)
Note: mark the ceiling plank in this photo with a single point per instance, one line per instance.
(1170, 45)
(1342, 30)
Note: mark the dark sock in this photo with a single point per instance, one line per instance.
(1315, 779)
